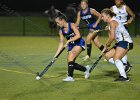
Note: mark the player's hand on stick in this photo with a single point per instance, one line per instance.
(54, 59)
(106, 49)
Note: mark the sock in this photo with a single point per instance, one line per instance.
(89, 47)
(101, 47)
(70, 68)
(120, 67)
(111, 61)
(124, 59)
(79, 67)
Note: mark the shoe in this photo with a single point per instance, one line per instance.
(86, 73)
(68, 79)
(122, 79)
(85, 58)
(127, 67)
(129, 64)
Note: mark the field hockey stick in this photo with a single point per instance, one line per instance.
(49, 65)
(96, 62)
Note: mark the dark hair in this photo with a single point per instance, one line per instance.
(108, 12)
(61, 16)
(122, 2)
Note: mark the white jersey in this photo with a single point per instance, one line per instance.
(121, 13)
(121, 34)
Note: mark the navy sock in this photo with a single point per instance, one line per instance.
(79, 67)
(70, 68)
(89, 47)
(101, 47)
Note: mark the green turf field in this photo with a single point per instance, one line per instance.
(22, 57)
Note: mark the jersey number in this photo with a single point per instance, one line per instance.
(120, 17)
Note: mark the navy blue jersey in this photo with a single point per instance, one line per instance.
(70, 34)
(87, 17)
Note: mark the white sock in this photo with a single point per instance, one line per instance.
(120, 67)
(111, 60)
(124, 59)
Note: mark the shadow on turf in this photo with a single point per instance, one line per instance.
(113, 74)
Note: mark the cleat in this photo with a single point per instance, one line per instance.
(127, 67)
(87, 72)
(129, 64)
(68, 79)
(122, 79)
(85, 58)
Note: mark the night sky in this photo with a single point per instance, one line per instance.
(41, 5)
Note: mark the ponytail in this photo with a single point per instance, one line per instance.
(61, 16)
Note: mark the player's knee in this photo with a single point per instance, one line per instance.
(71, 57)
(88, 41)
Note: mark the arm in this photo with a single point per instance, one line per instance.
(111, 38)
(78, 19)
(131, 13)
(61, 40)
(77, 33)
(97, 14)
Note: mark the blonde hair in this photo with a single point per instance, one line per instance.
(108, 12)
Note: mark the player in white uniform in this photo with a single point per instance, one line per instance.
(122, 12)
(124, 42)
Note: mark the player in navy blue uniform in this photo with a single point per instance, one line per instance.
(75, 45)
(92, 19)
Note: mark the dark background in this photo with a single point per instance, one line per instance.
(41, 5)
